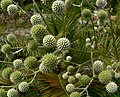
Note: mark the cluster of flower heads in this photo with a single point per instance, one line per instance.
(7, 5)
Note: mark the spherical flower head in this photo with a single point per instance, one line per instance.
(11, 37)
(102, 15)
(16, 77)
(38, 32)
(5, 4)
(87, 40)
(86, 13)
(49, 61)
(71, 79)
(17, 63)
(75, 94)
(84, 80)
(70, 87)
(117, 75)
(105, 76)
(12, 93)
(23, 87)
(70, 68)
(101, 22)
(98, 66)
(12, 9)
(77, 75)
(6, 48)
(6, 73)
(65, 76)
(43, 68)
(101, 3)
(68, 58)
(58, 7)
(63, 44)
(30, 62)
(32, 45)
(88, 45)
(49, 41)
(68, 3)
(3, 93)
(111, 87)
(35, 19)
(117, 64)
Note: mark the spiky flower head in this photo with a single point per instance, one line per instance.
(12, 9)
(17, 63)
(16, 77)
(117, 75)
(68, 3)
(11, 37)
(36, 19)
(69, 58)
(98, 66)
(6, 73)
(49, 41)
(12, 93)
(70, 87)
(58, 7)
(101, 22)
(32, 45)
(87, 40)
(63, 44)
(71, 79)
(43, 68)
(5, 4)
(117, 65)
(111, 87)
(23, 87)
(77, 75)
(3, 93)
(105, 76)
(38, 32)
(6, 48)
(102, 15)
(84, 80)
(70, 68)
(75, 94)
(49, 61)
(86, 13)
(65, 76)
(88, 45)
(30, 62)
(99, 3)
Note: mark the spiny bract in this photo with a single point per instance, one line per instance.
(49, 41)
(11, 37)
(3, 93)
(84, 80)
(17, 63)
(86, 13)
(12, 9)
(36, 19)
(111, 87)
(98, 66)
(6, 48)
(58, 7)
(38, 32)
(63, 44)
(70, 87)
(12, 93)
(49, 61)
(105, 76)
(23, 86)
(102, 15)
(16, 77)
(5, 4)
(30, 62)
(6, 73)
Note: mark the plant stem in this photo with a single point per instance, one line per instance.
(62, 85)
(6, 62)
(6, 86)
(92, 64)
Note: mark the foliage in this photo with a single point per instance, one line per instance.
(70, 48)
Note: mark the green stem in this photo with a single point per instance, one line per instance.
(62, 85)
(42, 15)
(92, 64)
(6, 62)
